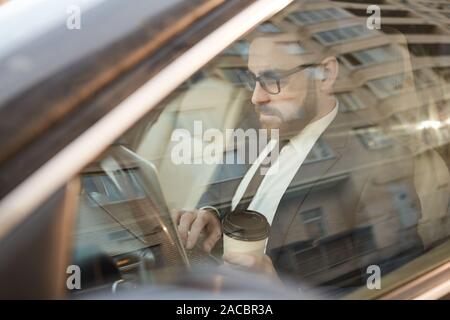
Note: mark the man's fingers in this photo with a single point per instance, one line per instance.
(241, 259)
(251, 262)
(192, 223)
(214, 233)
(196, 228)
(176, 215)
(185, 224)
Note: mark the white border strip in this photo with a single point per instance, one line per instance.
(72, 159)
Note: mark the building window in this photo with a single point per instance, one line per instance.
(373, 138)
(391, 85)
(348, 102)
(342, 247)
(409, 28)
(387, 86)
(404, 204)
(321, 151)
(291, 47)
(429, 49)
(446, 14)
(333, 250)
(368, 57)
(342, 34)
(301, 18)
(235, 75)
(443, 72)
(394, 13)
(116, 187)
(313, 222)
(439, 6)
(240, 48)
(268, 27)
(422, 79)
(338, 251)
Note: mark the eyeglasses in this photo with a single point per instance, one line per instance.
(270, 80)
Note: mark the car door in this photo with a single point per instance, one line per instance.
(366, 215)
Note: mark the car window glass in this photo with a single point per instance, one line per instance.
(359, 201)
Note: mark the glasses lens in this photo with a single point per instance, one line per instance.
(249, 79)
(271, 85)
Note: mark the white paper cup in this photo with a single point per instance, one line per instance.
(245, 232)
(240, 246)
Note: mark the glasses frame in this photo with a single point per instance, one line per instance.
(277, 77)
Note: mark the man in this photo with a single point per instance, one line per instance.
(370, 200)
(289, 94)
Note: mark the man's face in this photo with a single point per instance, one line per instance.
(296, 101)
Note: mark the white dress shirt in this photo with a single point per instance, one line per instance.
(291, 157)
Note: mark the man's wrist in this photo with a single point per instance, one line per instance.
(213, 209)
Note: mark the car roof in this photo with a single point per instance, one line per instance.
(42, 43)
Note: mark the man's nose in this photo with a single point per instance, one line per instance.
(260, 96)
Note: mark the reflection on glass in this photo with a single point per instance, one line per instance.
(124, 229)
(373, 186)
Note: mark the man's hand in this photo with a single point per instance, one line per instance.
(191, 223)
(251, 262)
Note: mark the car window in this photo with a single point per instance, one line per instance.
(357, 187)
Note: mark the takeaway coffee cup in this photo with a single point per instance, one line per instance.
(245, 231)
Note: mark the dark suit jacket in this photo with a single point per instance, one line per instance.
(339, 215)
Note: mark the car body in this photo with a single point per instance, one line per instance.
(76, 107)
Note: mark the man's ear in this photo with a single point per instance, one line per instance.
(330, 69)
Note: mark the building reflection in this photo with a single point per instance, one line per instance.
(391, 138)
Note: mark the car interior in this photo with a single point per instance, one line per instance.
(124, 222)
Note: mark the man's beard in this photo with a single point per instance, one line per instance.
(291, 127)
